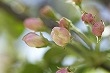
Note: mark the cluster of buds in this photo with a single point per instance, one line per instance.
(61, 35)
(37, 25)
(32, 39)
(97, 27)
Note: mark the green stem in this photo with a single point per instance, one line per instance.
(82, 36)
(97, 47)
(80, 47)
(98, 44)
(80, 50)
(75, 49)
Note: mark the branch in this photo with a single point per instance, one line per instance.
(9, 10)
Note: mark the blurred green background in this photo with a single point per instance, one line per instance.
(17, 57)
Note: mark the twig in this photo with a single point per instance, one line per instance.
(9, 10)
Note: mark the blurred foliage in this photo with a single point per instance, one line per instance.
(11, 24)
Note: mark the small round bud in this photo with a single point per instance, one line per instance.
(35, 24)
(61, 36)
(34, 40)
(64, 22)
(98, 28)
(88, 18)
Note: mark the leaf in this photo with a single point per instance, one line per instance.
(31, 68)
(55, 54)
(54, 57)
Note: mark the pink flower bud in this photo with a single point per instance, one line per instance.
(63, 70)
(98, 28)
(61, 36)
(64, 22)
(47, 11)
(34, 40)
(88, 18)
(35, 24)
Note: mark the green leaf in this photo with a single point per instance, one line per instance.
(55, 54)
(54, 57)
(31, 68)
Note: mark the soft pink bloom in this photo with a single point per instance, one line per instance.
(35, 24)
(98, 28)
(34, 40)
(61, 36)
(64, 22)
(88, 18)
(63, 70)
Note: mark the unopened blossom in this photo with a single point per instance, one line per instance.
(63, 70)
(98, 28)
(47, 11)
(88, 18)
(61, 36)
(64, 22)
(35, 24)
(34, 40)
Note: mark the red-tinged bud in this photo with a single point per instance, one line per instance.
(34, 40)
(64, 22)
(98, 28)
(35, 24)
(88, 18)
(63, 70)
(61, 36)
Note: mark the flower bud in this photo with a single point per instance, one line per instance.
(61, 36)
(64, 22)
(34, 40)
(98, 28)
(88, 18)
(63, 70)
(35, 24)
(47, 11)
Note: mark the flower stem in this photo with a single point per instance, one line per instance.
(82, 36)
